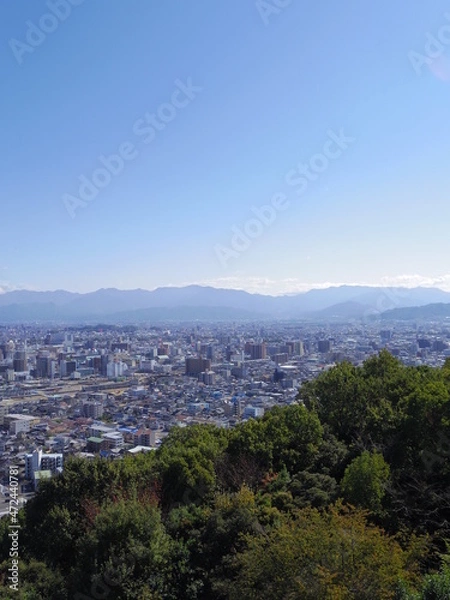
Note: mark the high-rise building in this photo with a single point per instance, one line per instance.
(71, 367)
(45, 367)
(52, 368)
(68, 341)
(37, 461)
(324, 346)
(104, 365)
(281, 358)
(121, 346)
(424, 343)
(208, 377)
(195, 366)
(42, 367)
(96, 363)
(116, 369)
(20, 361)
(256, 351)
(439, 345)
(299, 348)
(207, 350)
(62, 368)
(237, 407)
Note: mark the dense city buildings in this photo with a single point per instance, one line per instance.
(112, 390)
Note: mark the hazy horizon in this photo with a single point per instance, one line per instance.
(257, 289)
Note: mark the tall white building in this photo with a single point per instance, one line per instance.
(116, 369)
(38, 461)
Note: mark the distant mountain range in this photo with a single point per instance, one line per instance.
(418, 313)
(210, 304)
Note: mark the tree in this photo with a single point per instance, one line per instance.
(284, 438)
(364, 481)
(126, 549)
(328, 555)
(36, 582)
(186, 464)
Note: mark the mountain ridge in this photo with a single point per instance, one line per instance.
(115, 305)
(436, 310)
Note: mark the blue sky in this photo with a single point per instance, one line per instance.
(266, 83)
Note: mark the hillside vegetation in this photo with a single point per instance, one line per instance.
(343, 496)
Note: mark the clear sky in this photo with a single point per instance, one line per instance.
(337, 114)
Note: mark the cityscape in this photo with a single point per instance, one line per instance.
(224, 300)
(111, 390)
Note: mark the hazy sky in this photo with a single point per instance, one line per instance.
(336, 114)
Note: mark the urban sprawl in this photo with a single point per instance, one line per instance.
(110, 390)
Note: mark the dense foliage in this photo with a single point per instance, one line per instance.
(344, 495)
